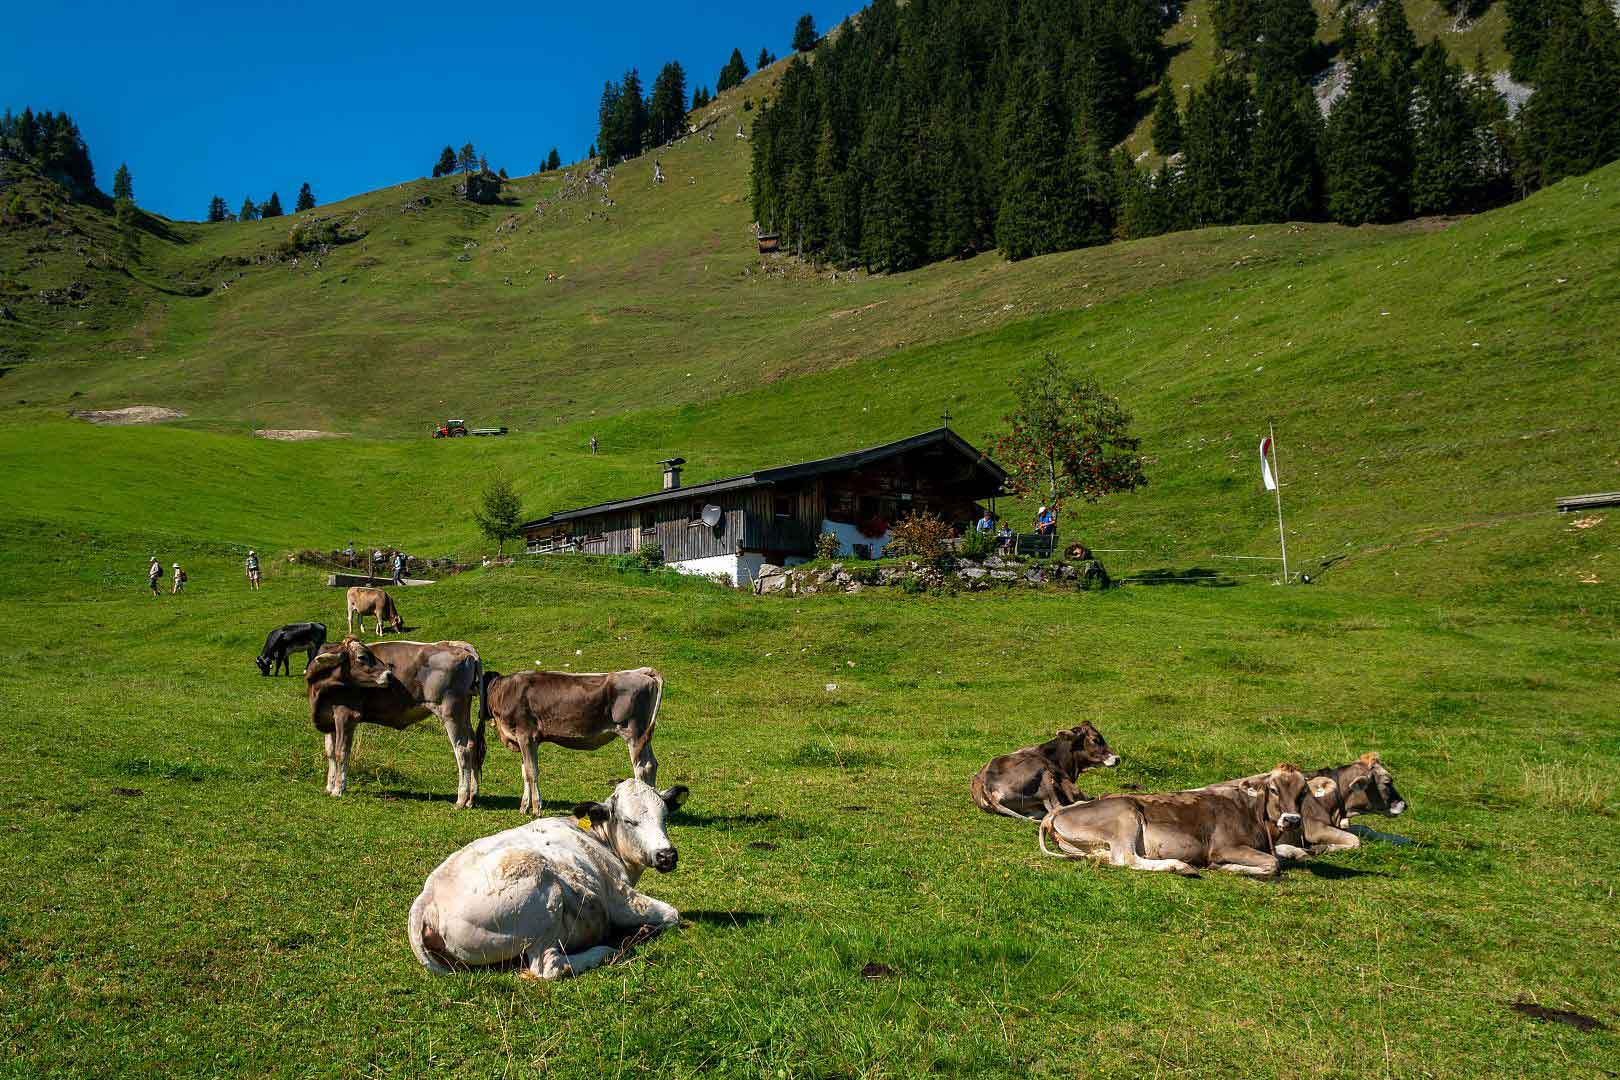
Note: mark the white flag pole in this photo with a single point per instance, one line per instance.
(1277, 477)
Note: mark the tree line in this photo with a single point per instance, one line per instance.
(945, 127)
(51, 142)
(219, 211)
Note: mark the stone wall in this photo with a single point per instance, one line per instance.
(955, 575)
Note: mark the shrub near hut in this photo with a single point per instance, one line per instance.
(921, 536)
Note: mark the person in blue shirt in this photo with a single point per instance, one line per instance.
(1045, 521)
(986, 523)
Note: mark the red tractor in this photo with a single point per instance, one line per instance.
(451, 429)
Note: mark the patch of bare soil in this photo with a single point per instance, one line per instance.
(132, 414)
(297, 434)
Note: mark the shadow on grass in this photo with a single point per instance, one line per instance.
(724, 918)
(485, 802)
(686, 817)
(1198, 576)
(1334, 872)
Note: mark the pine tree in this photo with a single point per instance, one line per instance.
(1167, 135)
(1219, 132)
(666, 111)
(446, 163)
(1445, 173)
(271, 209)
(804, 34)
(1571, 124)
(1092, 196)
(249, 211)
(467, 158)
(591, 153)
(554, 162)
(766, 59)
(1285, 174)
(1287, 38)
(123, 187)
(217, 211)
(1528, 23)
(629, 131)
(1236, 23)
(1367, 156)
(306, 199)
(735, 71)
(1032, 217)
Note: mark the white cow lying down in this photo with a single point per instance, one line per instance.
(548, 894)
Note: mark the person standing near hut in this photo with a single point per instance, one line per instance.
(253, 568)
(399, 568)
(179, 580)
(154, 574)
(593, 446)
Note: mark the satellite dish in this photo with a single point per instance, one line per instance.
(711, 515)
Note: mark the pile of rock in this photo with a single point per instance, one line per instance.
(966, 575)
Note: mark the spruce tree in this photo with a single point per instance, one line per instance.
(554, 162)
(446, 163)
(249, 211)
(1287, 38)
(217, 210)
(1285, 175)
(1367, 157)
(1032, 218)
(1445, 145)
(306, 199)
(1571, 124)
(735, 71)
(666, 111)
(1528, 22)
(629, 131)
(123, 187)
(1219, 132)
(467, 158)
(1167, 135)
(766, 59)
(271, 209)
(804, 34)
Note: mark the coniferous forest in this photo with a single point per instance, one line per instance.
(939, 128)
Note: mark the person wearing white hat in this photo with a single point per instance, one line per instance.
(253, 568)
(1045, 521)
(179, 580)
(154, 574)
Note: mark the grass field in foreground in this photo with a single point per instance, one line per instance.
(182, 898)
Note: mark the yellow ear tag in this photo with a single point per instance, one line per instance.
(585, 823)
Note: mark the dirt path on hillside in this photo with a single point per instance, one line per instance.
(130, 414)
(297, 434)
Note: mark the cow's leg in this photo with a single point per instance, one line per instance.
(461, 745)
(529, 755)
(642, 761)
(351, 621)
(1246, 860)
(331, 763)
(553, 963)
(344, 721)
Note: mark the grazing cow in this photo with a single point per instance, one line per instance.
(309, 636)
(1232, 826)
(365, 601)
(395, 684)
(581, 712)
(550, 893)
(1030, 782)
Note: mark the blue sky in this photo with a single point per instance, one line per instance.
(241, 99)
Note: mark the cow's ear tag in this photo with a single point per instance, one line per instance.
(585, 823)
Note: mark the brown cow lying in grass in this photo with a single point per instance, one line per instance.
(1030, 782)
(1338, 794)
(1233, 826)
(580, 712)
(365, 601)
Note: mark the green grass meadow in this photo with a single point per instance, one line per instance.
(181, 899)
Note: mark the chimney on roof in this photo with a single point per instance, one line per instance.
(672, 472)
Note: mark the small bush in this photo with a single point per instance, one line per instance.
(978, 545)
(650, 555)
(920, 536)
(827, 546)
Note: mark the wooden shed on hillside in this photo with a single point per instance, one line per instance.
(736, 525)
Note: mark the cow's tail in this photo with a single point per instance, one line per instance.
(658, 697)
(1065, 850)
(419, 931)
(482, 679)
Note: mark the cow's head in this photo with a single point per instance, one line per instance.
(1370, 789)
(1086, 749)
(1280, 792)
(631, 822)
(349, 664)
(263, 664)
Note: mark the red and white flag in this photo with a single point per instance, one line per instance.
(1265, 464)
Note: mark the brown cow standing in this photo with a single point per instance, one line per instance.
(365, 601)
(395, 684)
(1030, 782)
(581, 712)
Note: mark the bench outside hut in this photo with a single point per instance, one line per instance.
(769, 243)
(734, 526)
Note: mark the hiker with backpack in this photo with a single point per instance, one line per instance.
(253, 568)
(179, 580)
(154, 574)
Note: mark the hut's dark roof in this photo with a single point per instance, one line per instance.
(990, 480)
